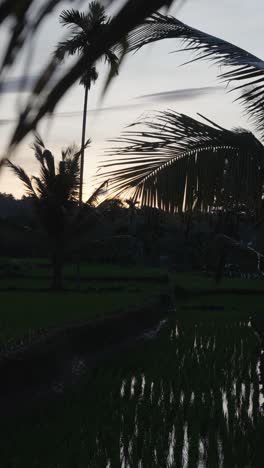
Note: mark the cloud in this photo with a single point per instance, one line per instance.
(165, 96)
(21, 84)
(180, 94)
(6, 121)
(24, 84)
(121, 107)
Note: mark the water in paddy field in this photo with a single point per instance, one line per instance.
(188, 397)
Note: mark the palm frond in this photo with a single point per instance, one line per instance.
(69, 152)
(50, 163)
(71, 46)
(38, 140)
(73, 168)
(93, 199)
(90, 76)
(177, 164)
(38, 146)
(87, 143)
(72, 18)
(40, 187)
(114, 62)
(96, 13)
(247, 69)
(22, 175)
(71, 174)
(131, 14)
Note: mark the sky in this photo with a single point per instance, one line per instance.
(152, 79)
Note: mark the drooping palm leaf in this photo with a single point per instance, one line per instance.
(21, 26)
(55, 186)
(177, 163)
(247, 69)
(38, 147)
(70, 46)
(43, 101)
(90, 77)
(78, 152)
(22, 175)
(41, 188)
(72, 18)
(94, 198)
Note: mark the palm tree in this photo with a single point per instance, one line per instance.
(55, 194)
(46, 95)
(178, 163)
(86, 27)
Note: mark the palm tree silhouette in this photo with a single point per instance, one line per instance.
(55, 196)
(25, 26)
(178, 163)
(86, 28)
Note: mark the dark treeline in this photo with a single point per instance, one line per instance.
(12, 208)
(20, 234)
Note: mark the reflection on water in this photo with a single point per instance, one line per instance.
(195, 401)
(190, 398)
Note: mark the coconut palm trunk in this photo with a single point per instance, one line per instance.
(83, 142)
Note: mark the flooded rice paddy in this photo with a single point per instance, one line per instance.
(187, 396)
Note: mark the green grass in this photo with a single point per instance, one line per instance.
(199, 282)
(25, 314)
(40, 267)
(27, 306)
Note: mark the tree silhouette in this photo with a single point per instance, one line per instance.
(55, 194)
(85, 28)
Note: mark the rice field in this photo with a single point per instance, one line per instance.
(188, 397)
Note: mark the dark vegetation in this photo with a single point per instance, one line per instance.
(179, 221)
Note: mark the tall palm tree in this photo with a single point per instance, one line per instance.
(179, 163)
(55, 195)
(85, 29)
(21, 31)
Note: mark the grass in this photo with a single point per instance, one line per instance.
(25, 314)
(41, 268)
(28, 307)
(199, 282)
